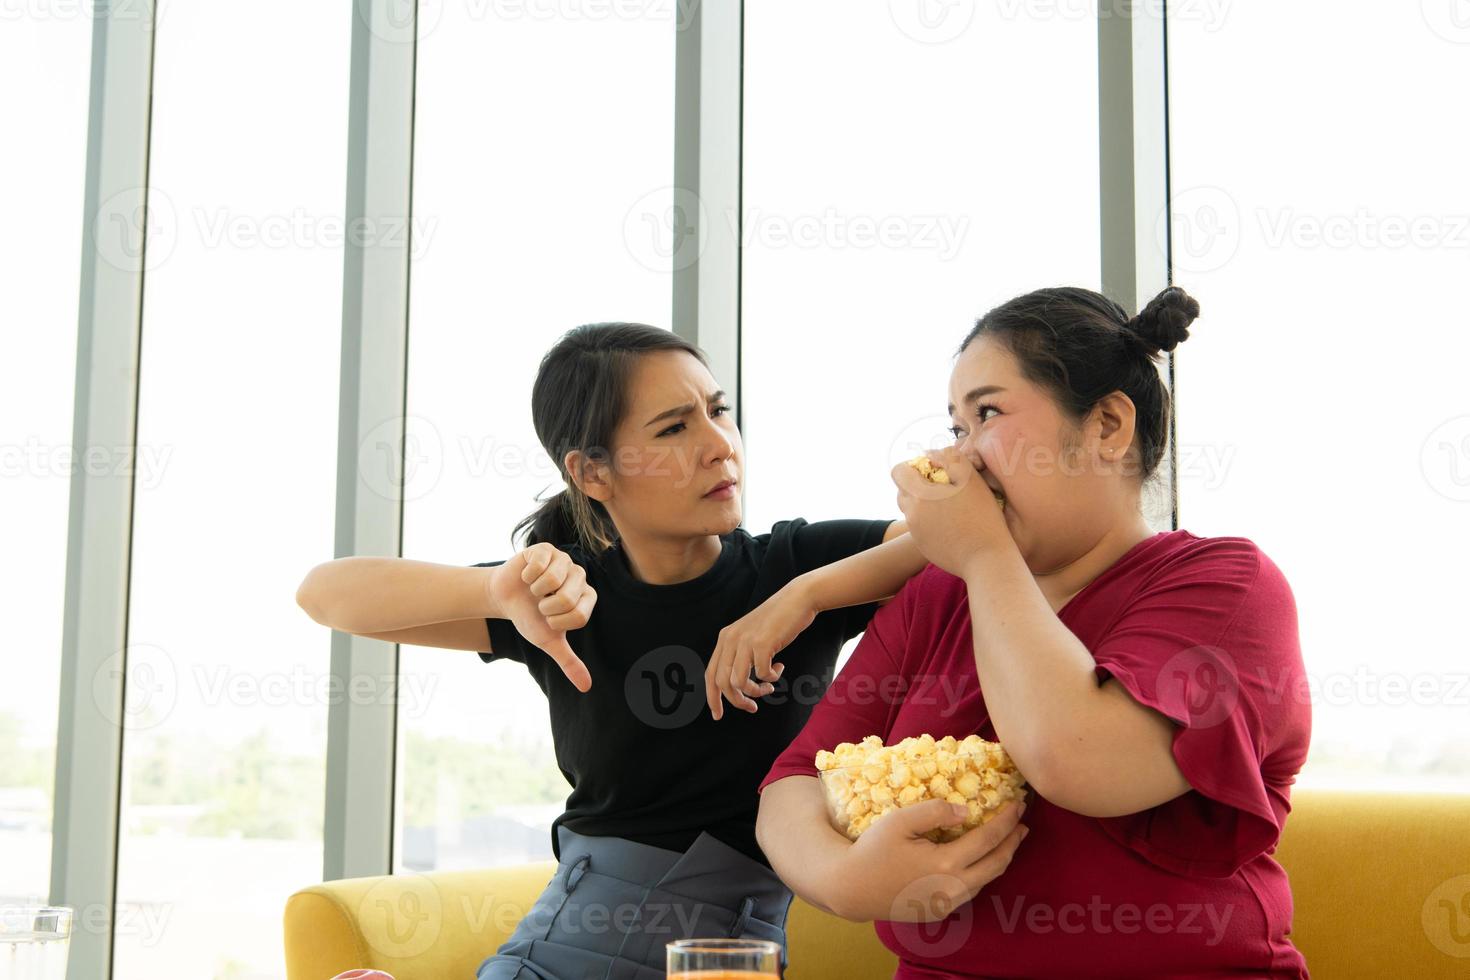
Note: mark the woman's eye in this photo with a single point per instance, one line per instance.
(982, 409)
(717, 410)
(957, 432)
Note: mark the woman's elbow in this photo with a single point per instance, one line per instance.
(308, 596)
(1092, 787)
(1055, 775)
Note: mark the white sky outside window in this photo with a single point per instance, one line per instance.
(1321, 217)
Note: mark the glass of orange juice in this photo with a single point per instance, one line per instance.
(724, 959)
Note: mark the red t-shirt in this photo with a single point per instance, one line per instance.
(1202, 629)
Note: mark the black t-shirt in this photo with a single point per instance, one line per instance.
(645, 759)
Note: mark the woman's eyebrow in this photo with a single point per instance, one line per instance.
(681, 410)
(977, 393)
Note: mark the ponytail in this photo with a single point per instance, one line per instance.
(569, 517)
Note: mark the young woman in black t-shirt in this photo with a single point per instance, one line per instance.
(640, 606)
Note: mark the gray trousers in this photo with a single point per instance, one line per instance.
(614, 903)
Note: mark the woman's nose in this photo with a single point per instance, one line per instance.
(969, 448)
(720, 444)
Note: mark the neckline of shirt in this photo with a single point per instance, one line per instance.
(620, 577)
(1128, 557)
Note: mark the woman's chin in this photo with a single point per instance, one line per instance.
(732, 522)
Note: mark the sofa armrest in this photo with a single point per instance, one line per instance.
(412, 926)
(444, 924)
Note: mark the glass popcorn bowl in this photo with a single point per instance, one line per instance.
(975, 773)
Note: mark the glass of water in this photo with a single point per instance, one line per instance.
(33, 942)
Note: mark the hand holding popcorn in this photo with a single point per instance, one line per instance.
(935, 473)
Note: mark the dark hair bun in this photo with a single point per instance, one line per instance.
(1164, 323)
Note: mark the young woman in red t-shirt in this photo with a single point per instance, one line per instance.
(1146, 684)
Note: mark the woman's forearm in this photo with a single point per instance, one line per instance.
(1037, 676)
(802, 846)
(867, 576)
(373, 595)
(1087, 747)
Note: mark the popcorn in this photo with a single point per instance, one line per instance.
(937, 474)
(863, 781)
(927, 469)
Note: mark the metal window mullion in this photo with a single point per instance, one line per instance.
(1134, 184)
(707, 101)
(89, 736)
(361, 733)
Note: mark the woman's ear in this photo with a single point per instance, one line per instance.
(1114, 418)
(591, 477)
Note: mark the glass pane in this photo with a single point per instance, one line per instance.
(884, 210)
(543, 144)
(224, 759)
(41, 198)
(884, 213)
(1319, 215)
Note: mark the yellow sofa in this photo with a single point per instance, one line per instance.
(1381, 884)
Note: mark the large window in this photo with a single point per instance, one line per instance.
(543, 159)
(1320, 217)
(40, 254)
(884, 210)
(906, 166)
(225, 732)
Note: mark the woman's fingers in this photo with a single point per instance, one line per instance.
(565, 598)
(717, 669)
(993, 864)
(727, 678)
(537, 557)
(555, 574)
(571, 665)
(765, 668)
(743, 683)
(712, 689)
(578, 616)
(979, 841)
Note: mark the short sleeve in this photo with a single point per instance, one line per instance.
(1211, 642)
(813, 545)
(506, 642)
(862, 699)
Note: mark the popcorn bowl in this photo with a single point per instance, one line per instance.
(972, 772)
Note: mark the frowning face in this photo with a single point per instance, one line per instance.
(675, 444)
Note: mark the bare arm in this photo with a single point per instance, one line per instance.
(804, 849)
(1088, 747)
(541, 590)
(366, 595)
(868, 576)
